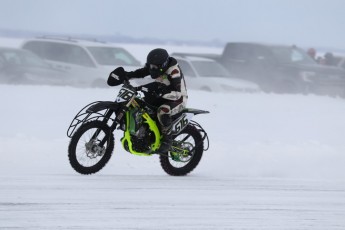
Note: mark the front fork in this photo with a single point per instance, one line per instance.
(112, 128)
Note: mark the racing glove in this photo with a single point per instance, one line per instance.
(117, 76)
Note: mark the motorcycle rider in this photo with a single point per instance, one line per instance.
(169, 87)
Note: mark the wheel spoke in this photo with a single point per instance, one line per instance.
(180, 155)
(87, 153)
(185, 154)
(87, 156)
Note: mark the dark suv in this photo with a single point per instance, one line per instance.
(282, 69)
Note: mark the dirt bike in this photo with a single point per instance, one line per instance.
(92, 134)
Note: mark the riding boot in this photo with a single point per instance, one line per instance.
(165, 143)
(166, 140)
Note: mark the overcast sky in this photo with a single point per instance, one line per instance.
(301, 22)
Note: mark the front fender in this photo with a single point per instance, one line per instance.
(103, 105)
(91, 112)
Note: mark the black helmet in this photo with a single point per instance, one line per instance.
(157, 62)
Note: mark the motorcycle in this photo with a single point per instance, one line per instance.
(92, 133)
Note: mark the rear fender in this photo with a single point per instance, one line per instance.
(184, 119)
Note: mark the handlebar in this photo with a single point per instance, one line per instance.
(126, 80)
(152, 91)
(127, 83)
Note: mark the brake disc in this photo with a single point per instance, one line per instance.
(93, 150)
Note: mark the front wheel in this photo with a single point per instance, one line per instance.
(86, 153)
(185, 153)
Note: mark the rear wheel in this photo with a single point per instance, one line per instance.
(85, 153)
(185, 154)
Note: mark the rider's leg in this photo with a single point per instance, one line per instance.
(164, 118)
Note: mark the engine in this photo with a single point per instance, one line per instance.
(141, 135)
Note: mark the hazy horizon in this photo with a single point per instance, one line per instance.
(304, 22)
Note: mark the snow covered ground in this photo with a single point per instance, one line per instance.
(275, 162)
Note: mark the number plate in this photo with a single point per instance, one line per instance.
(124, 95)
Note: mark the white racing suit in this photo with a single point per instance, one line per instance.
(170, 87)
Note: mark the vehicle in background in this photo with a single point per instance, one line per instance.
(340, 61)
(206, 74)
(88, 62)
(281, 69)
(18, 66)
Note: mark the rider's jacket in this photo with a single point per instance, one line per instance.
(172, 78)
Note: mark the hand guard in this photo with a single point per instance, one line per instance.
(117, 76)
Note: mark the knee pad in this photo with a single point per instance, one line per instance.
(163, 115)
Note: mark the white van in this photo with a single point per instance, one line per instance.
(88, 62)
(206, 74)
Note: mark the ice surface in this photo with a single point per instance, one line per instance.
(275, 162)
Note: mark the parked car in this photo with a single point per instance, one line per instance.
(18, 66)
(89, 62)
(281, 68)
(206, 74)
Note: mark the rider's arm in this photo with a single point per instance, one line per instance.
(139, 73)
(174, 89)
(117, 76)
(175, 77)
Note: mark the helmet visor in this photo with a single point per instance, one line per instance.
(154, 67)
